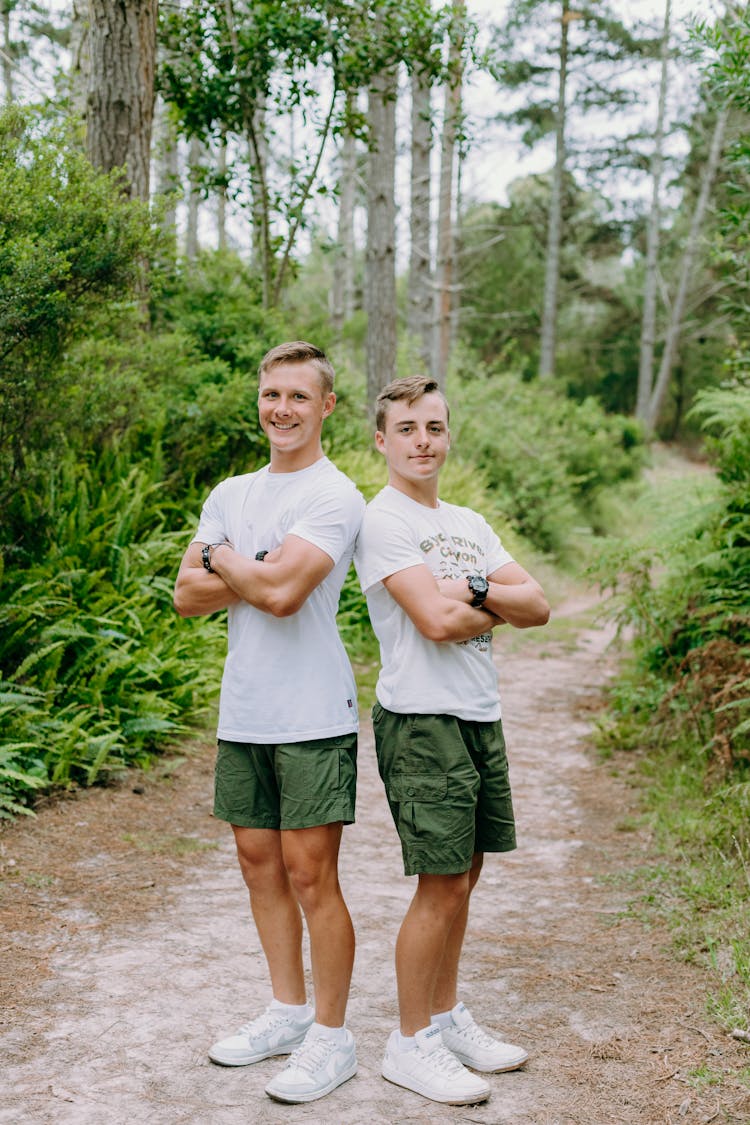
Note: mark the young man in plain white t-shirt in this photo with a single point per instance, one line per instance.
(273, 548)
(437, 581)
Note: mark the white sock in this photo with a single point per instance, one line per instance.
(297, 1011)
(442, 1019)
(406, 1042)
(324, 1032)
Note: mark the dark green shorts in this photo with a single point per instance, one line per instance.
(288, 785)
(447, 784)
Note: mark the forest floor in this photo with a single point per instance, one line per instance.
(127, 947)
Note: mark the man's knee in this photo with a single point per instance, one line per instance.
(445, 893)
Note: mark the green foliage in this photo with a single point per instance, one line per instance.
(687, 603)
(548, 457)
(97, 671)
(69, 244)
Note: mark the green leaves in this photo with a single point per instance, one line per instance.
(97, 672)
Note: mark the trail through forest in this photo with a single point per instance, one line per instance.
(128, 949)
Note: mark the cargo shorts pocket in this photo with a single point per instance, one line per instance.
(417, 802)
(418, 787)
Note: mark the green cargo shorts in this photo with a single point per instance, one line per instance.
(447, 785)
(286, 785)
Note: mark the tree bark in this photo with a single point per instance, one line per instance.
(691, 248)
(167, 168)
(342, 284)
(221, 195)
(7, 55)
(193, 200)
(548, 340)
(420, 289)
(444, 263)
(120, 99)
(381, 236)
(648, 320)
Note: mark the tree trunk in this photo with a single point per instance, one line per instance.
(342, 283)
(221, 195)
(691, 247)
(381, 236)
(193, 201)
(7, 55)
(445, 245)
(168, 168)
(420, 291)
(648, 321)
(120, 100)
(80, 56)
(548, 339)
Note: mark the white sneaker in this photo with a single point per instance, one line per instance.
(431, 1070)
(475, 1048)
(318, 1066)
(273, 1033)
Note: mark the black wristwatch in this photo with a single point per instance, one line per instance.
(206, 555)
(479, 587)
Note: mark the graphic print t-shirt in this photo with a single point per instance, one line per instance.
(419, 676)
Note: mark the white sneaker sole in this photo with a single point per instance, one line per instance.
(216, 1055)
(512, 1064)
(410, 1083)
(291, 1098)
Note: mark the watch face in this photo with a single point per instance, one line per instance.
(479, 587)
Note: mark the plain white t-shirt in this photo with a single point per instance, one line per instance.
(287, 679)
(420, 676)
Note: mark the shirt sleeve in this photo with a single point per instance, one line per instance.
(332, 519)
(212, 526)
(385, 545)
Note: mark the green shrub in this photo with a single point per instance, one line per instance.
(548, 457)
(97, 670)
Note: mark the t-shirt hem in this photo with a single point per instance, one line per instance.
(275, 737)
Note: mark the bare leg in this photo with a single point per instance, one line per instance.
(445, 996)
(275, 909)
(311, 859)
(422, 942)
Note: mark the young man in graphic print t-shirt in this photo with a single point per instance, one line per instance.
(438, 581)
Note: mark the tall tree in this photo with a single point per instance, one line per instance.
(381, 233)
(559, 73)
(6, 6)
(554, 220)
(648, 319)
(420, 299)
(342, 280)
(120, 97)
(444, 264)
(690, 252)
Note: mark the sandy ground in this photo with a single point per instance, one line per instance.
(127, 946)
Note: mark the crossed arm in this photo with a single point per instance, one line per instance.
(279, 585)
(441, 611)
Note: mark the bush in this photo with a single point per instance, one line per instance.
(549, 458)
(96, 670)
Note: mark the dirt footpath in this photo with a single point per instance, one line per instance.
(127, 947)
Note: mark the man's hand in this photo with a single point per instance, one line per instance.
(456, 588)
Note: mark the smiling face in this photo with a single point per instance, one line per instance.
(291, 409)
(415, 442)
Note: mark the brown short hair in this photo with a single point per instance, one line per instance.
(411, 388)
(299, 351)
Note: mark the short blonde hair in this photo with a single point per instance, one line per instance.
(299, 351)
(410, 389)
